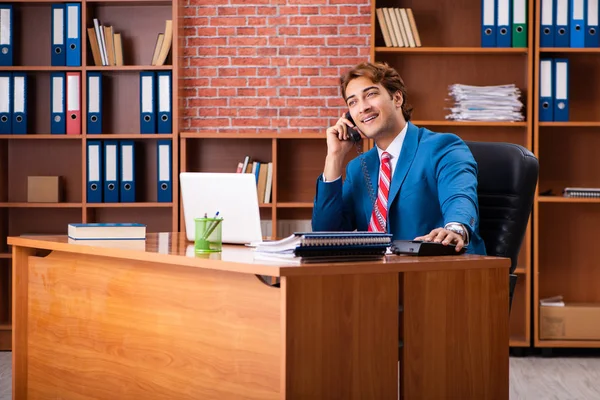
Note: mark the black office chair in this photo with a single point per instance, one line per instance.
(507, 179)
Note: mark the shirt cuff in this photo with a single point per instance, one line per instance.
(323, 178)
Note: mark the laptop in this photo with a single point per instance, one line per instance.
(233, 195)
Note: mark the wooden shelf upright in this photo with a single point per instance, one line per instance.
(451, 53)
(40, 153)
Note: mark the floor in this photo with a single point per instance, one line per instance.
(572, 377)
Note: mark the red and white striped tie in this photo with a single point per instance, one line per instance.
(381, 205)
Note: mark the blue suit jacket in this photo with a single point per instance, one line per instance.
(434, 182)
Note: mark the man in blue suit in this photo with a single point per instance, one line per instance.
(432, 193)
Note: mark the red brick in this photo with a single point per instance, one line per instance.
(346, 41)
(246, 71)
(309, 112)
(248, 102)
(352, 10)
(276, 41)
(226, 11)
(241, 42)
(298, 81)
(289, 51)
(298, 20)
(309, 71)
(309, 11)
(266, 51)
(226, 92)
(329, 51)
(226, 31)
(207, 112)
(256, 21)
(288, 30)
(227, 72)
(332, 91)
(309, 92)
(348, 30)
(274, 82)
(249, 122)
(310, 61)
(228, 82)
(197, 22)
(228, 21)
(266, 92)
(246, 92)
(276, 102)
(249, 60)
(227, 112)
(227, 51)
(210, 122)
(247, 112)
(279, 62)
(267, 71)
(309, 51)
(308, 102)
(218, 41)
(267, 10)
(328, 30)
(289, 112)
(329, 20)
(245, 31)
(246, 51)
(269, 31)
(267, 112)
(289, 10)
(309, 31)
(207, 51)
(349, 51)
(206, 31)
(245, 2)
(328, 10)
(206, 61)
(246, 10)
(289, 91)
(256, 82)
(309, 41)
(208, 11)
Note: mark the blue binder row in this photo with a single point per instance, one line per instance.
(554, 89)
(66, 34)
(569, 23)
(504, 23)
(111, 171)
(6, 35)
(13, 103)
(155, 102)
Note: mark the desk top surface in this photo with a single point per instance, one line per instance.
(175, 249)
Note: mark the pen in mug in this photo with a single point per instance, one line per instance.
(211, 227)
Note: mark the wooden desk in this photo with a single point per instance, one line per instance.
(117, 323)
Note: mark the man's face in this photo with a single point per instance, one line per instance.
(373, 110)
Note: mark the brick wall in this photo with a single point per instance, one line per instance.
(270, 65)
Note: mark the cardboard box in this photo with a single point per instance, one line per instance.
(44, 189)
(574, 321)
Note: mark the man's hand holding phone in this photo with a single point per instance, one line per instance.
(338, 145)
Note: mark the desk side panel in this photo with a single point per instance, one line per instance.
(341, 336)
(455, 335)
(109, 329)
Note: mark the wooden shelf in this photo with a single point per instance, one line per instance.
(569, 50)
(571, 124)
(130, 205)
(518, 341)
(295, 205)
(452, 50)
(569, 343)
(5, 255)
(520, 270)
(35, 136)
(133, 68)
(472, 123)
(39, 205)
(115, 136)
(5, 327)
(40, 68)
(269, 135)
(566, 200)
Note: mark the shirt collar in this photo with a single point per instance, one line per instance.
(396, 146)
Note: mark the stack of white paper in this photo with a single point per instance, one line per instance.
(485, 103)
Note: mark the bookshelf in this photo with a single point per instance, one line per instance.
(564, 253)
(451, 53)
(40, 153)
(298, 160)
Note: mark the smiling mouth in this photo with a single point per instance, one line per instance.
(369, 119)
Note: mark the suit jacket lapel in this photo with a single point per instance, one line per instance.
(407, 155)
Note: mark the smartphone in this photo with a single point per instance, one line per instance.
(352, 132)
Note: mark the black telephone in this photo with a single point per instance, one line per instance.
(352, 132)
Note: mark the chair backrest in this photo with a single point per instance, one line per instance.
(507, 180)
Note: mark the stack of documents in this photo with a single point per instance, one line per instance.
(485, 103)
(325, 247)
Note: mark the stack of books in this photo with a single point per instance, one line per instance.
(398, 27)
(325, 247)
(485, 103)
